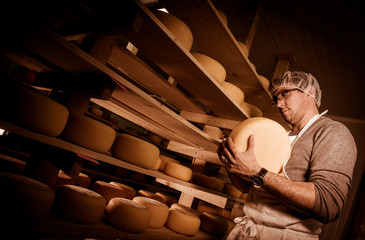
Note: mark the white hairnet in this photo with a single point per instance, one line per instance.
(301, 80)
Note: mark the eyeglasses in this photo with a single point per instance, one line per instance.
(282, 95)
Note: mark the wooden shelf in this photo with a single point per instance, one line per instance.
(56, 227)
(167, 180)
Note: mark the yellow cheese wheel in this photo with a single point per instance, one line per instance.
(204, 207)
(213, 224)
(79, 204)
(178, 171)
(148, 194)
(212, 66)
(89, 133)
(183, 222)
(230, 189)
(129, 191)
(127, 215)
(222, 16)
(96, 111)
(251, 109)
(157, 165)
(32, 110)
(24, 201)
(208, 181)
(185, 209)
(234, 92)
(164, 160)
(135, 150)
(264, 82)
(167, 198)
(62, 179)
(272, 145)
(244, 49)
(159, 211)
(81, 180)
(177, 27)
(107, 190)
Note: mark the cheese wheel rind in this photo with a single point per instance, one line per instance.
(159, 211)
(136, 151)
(251, 109)
(234, 92)
(230, 189)
(213, 224)
(24, 201)
(32, 110)
(272, 145)
(212, 66)
(108, 190)
(183, 222)
(177, 27)
(208, 181)
(79, 204)
(89, 133)
(178, 171)
(128, 215)
(130, 192)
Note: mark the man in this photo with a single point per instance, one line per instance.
(313, 185)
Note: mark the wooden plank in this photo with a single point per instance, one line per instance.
(121, 58)
(209, 156)
(154, 40)
(209, 120)
(167, 118)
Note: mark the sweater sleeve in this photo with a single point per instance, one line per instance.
(331, 169)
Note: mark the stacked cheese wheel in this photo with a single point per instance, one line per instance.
(148, 194)
(178, 171)
(136, 151)
(24, 201)
(31, 109)
(89, 133)
(183, 220)
(272, 145)
(159, 211)
(108, 190)
(212, 66)
(214, 224)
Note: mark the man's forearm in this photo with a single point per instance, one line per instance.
(298, 195)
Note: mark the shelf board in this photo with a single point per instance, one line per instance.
(57, 227)
(157, 43)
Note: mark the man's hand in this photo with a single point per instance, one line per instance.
(242, 164)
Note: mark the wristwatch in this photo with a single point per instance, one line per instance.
(259, 178)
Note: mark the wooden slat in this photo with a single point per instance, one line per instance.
(154, 40)
(209, 120)
(148, 77)
(209, 156)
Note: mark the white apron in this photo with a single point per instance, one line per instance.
(268, 218)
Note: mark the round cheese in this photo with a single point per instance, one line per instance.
(148, 194)
(185, 209)
(79, 204)
(264, 82)
(62, 179)
(81, 180)
(213, 224)
(167, 199)
(89, 133)
(107, 190)
(178, 171)
(208, 182)
(212, 66)
(135, 150)
(204, 207)
(157, 165)
(222, 16)
(24, 201)
(32, 110)
(244, 49)
(183, 222)
(127, 215)
(234, 92)
(164, 160)
(230, 189)
(96, 111)
(272, 145)
(159, 211)
(11, 164)
(177, 27)
(130, 193)
(251, 110)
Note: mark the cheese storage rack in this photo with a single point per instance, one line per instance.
(173, 114)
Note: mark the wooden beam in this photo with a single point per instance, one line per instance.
(210, 120)
(253, 27)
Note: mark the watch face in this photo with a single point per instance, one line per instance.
(258, 181)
